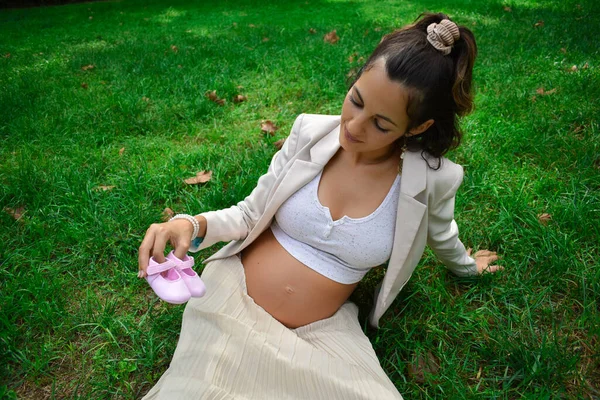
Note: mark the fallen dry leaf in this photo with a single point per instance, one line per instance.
(239, 98)
(212, 96)
(88, 67)
(268, 127)
(352, 57)
(312, 31)
(586, 66)
(539, 23)
(265, 39)
(84, 85)
(545, 92)
(507, 9)
(279, 144)
(479, 372)
(201, 177)
(7, 55)
(331, 37)
(563, 50)
(574, 68)
(16, 213)
(174, 48)
(352, 73)
(544, 218)
(121, 151)
(424, 364)
(167, 214)
(104, 188)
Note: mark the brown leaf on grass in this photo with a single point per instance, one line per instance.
(88, 67)
(84, 85)
(121, 151)
(544, 218)
(167, 214)
(423, 365)
(16, 213)
(539, 23)
(312, 31)
(201, 177)
(563, 50)
(174, 48)
(586, 66)
(212, 96)
(239, 98)
(543, 92)
(279, 144)
(104, 188)
(533, 98)
(507, 9)
(268, 127)
(574, 68)
(352, 73)
(352, 57)
(7, 55)
(331, 37)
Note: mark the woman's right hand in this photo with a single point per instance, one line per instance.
(177, 232)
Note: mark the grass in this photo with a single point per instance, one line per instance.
(76, 323)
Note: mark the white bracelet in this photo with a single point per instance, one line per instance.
(190, 218)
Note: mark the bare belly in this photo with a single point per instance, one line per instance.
(291, 292)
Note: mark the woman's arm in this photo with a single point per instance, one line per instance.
(236, 222)
(442, 234)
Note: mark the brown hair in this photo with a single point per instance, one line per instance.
(439, 86)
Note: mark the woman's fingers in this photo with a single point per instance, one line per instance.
(160, 244)
(145, 251)
(492, 268)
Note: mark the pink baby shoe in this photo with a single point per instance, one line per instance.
(190, 277)
(166, 282)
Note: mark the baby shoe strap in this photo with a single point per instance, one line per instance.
(156, 268)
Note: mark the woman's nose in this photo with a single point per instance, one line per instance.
(356, 125)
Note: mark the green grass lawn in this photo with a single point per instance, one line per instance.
(77, 323)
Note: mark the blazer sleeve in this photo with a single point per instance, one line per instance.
(442, 233)
(236, 222)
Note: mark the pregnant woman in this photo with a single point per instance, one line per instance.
(344, 194)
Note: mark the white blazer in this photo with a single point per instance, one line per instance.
(425, 207)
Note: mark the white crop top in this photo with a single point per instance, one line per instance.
(343, 250)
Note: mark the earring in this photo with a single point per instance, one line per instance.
(403, 150)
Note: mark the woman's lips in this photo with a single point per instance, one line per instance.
(349, 137)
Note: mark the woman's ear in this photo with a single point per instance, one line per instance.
(421, 128)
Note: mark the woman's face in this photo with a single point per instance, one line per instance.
(374, 113)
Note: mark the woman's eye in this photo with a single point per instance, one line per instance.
(378, 127)
(354, 102)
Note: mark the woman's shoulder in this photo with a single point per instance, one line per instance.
(311, 127)
(444, 176)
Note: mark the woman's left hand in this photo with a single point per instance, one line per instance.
(483, 258)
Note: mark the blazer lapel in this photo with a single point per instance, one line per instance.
(408, 220)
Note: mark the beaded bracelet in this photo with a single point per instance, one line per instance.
(190, 218)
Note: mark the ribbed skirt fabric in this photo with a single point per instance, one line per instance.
(231, 348)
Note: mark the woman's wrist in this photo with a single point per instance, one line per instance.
(202, 225)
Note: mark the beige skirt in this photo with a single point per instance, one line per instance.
(231, 348)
